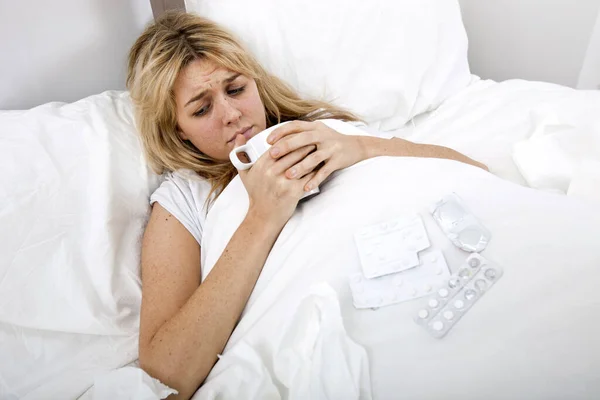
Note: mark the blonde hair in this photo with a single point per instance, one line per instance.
(156, 59)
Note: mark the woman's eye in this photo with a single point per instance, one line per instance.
(201, 112)
(233, 92)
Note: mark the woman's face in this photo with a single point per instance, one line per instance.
(214, 105)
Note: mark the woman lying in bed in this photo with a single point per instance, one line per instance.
(198, 94)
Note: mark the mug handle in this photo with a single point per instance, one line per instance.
(235, 160)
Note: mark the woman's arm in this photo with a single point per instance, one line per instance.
(374, 147)
(184, 325)
(335, 151)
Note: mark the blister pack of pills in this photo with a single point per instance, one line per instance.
(391, 246)
(459, 224)
(403, 286)
(460, 292)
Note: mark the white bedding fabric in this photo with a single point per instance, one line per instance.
(562, 155)
(312, 358)
(535, 335)
(385, 60)
(74, 194)
(487, 119)
(127, 383)
(74, 199)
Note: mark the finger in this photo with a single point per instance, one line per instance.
(320, 176)
(293, 158)
(293, 142)
(306, 181)
(289, 128)
(306, 165)
(243, 174)
(240, 140)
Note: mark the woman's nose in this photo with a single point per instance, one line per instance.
(230, 113)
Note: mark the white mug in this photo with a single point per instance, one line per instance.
(254, 148)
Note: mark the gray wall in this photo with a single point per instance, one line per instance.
(546, 40)
(63, 50)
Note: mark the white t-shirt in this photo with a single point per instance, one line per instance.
(183, 194)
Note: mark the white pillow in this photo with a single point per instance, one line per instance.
(74, 200)
(385, 60)
(74, 194)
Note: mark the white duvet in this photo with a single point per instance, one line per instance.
(73, 203)
(535, 335)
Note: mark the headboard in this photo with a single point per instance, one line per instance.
(160, 6)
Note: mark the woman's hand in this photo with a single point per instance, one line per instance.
(272, 196)
(332, 150)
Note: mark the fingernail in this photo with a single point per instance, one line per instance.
(270, 140)
(308, 188)
(274, 151)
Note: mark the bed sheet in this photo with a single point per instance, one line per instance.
(533, 336)
(488, 118)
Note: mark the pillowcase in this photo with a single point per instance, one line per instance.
(73, 204)
(74, 200)
(385, 60)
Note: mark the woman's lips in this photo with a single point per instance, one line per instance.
(247, 133)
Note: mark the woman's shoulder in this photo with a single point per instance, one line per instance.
(187, 176)
(184, 194)
(186, 183)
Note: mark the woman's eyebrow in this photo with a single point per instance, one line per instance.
(203, 92)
